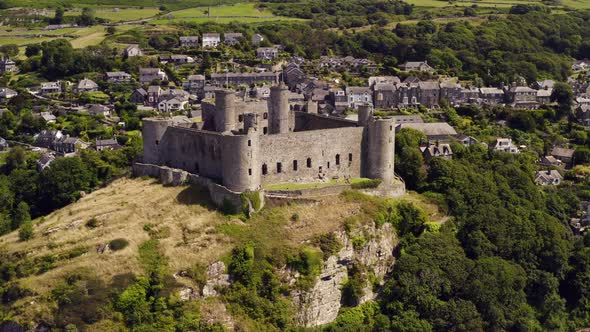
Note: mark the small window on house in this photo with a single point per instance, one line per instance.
(249, 142)
(350, 157)
(279, 168)
(265, 115)
(249, 171)
(337, 159)
(294, 165)
(308, 162)
(264, 169)
(265, 130)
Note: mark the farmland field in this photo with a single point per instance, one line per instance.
(244, 12)
(123, 14)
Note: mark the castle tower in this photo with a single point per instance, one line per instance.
(240, 161)
(250, 121)
(278, 110)
(312, 107)
(153, 131)
(380, 149)
(365, 114)
(225, 107)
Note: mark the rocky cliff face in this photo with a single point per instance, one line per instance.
(368, 245)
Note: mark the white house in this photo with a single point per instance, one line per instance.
(172, 105)
(505, 145)
(211, 39)
(549, 177)
(132, 50)
(117, 77)
(86, 85)
(147, 75)
(358, 95)
(267, 53)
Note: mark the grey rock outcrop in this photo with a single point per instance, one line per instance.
(321, 304)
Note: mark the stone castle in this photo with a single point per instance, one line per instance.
(245, 148)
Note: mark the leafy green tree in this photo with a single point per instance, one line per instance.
(26, 232)
(32, 50)
(562, 93)
(21, 215)
(58, 17)
(16, 158)
(409, 321)
(62, 183)
(10, 50)
(87, 17)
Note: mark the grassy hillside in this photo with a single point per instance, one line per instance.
(170, 4)
(189, 230)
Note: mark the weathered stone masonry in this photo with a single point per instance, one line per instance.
(230, 148)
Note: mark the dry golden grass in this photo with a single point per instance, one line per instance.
(122, 209)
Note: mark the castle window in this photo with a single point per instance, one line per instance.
(157, 142)
(328, 164)
(241, 118)
(294, 165)
(265, 130)
(249, 142)
(390, 128)
(279, 168)
(197, 168)
(249, 171)
(308, 162)
(350, 157)
(265, 115)
(264, 169)
(337, 159)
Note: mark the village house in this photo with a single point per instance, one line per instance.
(505, 145)
(48, 117)
(383, 80)
(548, 177)
(267, 53)
(99, 110)
(358, 95)
(581, 65)
(544, 96)
(451, 91)
(550, 161)
(148, 75)
(257, 39)
(138, 96)
(117, 77)
(172, 104)
(46, 138)
(406, 95)
(132, 50)
(564, 154)
(468, 95)
(428, 94)
(491, 96)
(232, 38)
(50, 87)
(6, 93)
(399, 119)
(189, 41)
(384, 95)
(293, 75)
(543, 85)
(434, 131)
(86, 85)
(7, 66)
(3, 144)
(211, 40)
(69, 145)
(153, 95)
(177, 59)
(466, 140)
(237, 79)
(522, 97)
(437, 150)
(416, 66)
(196, 85)
(44, 161)
(106, 144)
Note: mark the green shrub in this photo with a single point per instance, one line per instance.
(198, 273)
(366, 183)
(353, 288)
(118, 244)
(309, 264)
(92, 223)
(25, 231)
(250, 196)
(73, 253)
(295, 217)
(329, 244)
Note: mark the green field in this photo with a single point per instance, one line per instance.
(120, 14)
(170, 4)
(484, 3)
(311, 185)
(243, 12)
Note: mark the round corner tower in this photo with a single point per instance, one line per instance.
(240, 161)
(153, 130)
(225, 118)
(365, 113)
(381, 145)
(278, 109)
